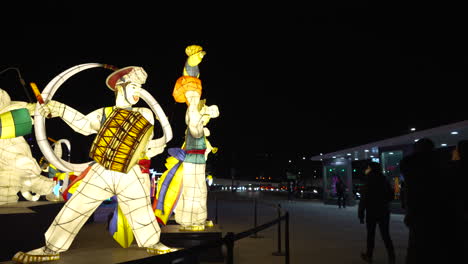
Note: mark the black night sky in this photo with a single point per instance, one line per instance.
(297, 79)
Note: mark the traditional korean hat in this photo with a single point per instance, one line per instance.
(128, 74)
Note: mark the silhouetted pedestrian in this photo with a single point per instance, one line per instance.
(403, 194)
(455, 204)
(374, 208)
(340, 193)
(422, 171)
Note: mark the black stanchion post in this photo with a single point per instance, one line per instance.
(255, 213)
(279, 253)
(216, 210)
(230, 247)
(286, 237)
(255, 219)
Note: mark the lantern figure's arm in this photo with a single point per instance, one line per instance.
(193, 118)
(17, 105)
(83, 124)
(156, 146)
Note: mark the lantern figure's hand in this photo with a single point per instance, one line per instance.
(52, 109)
(44, 111)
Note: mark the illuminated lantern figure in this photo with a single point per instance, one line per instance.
(124, 138)
(190, 199)
(191, 211)
(19, 171)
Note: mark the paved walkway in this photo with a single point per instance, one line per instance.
(318, 234)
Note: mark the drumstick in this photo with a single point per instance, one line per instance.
(38, 95)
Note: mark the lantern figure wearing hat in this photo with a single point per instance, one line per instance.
(124, 139)
(182, 188)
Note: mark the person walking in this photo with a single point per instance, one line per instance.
(374, 208)
(340, 193)
(455, 206)
(422, 171)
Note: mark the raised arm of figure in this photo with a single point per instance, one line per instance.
(83, 124)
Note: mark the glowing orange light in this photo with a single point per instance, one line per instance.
(184, 84)
(37, 93)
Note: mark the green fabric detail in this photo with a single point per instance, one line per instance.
(23, 121)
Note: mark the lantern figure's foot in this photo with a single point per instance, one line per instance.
(192, 228)
(35, 256)
(160, 249)
(209, 223)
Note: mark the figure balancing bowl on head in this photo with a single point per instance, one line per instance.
(190, 210)
(189, 80)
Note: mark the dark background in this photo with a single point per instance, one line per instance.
(290, 80)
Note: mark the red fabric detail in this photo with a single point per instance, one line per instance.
(55, 178)
(76, 179)
(144, 165)
(116, 76)
(72, 177)
(160, 221)
(155, 203)
(196, 151)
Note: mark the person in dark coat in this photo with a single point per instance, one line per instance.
(374, 208)
(340, 193)
(455, 207)
(422, 171)
(403, 194)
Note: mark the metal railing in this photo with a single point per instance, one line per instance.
(191, 254)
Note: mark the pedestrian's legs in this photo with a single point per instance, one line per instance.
(343, 200)
(384, 226)
(370, 237)
(339, 200)
(411, 256)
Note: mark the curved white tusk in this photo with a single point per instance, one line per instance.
(158, 112)
(48, 93)
(39, 121)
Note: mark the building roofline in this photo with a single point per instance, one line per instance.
(372, 148)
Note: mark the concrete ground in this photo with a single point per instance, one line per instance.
(318, 233)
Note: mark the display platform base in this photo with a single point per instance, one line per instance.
(173, 237)
(23, 225)
(94, 244)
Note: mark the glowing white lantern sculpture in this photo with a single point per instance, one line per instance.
(188, 193)
(124, 138)
(19, 170)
